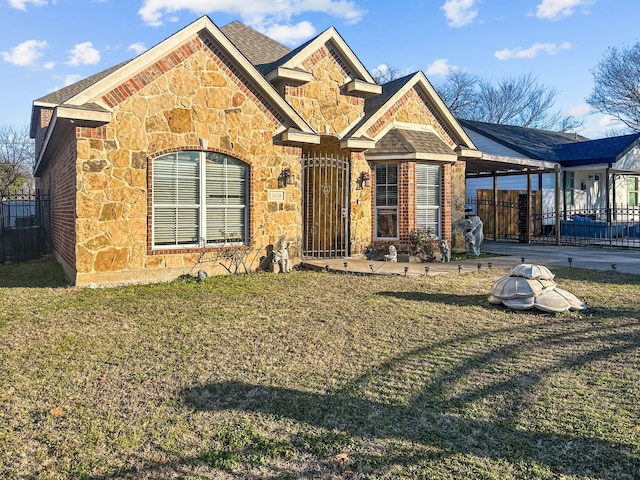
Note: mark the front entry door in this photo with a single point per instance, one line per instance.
(325, 195)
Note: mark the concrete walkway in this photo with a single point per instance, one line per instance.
(509, 255)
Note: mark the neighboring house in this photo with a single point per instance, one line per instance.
(221, 139)
(599, 179)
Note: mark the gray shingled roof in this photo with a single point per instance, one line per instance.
(568, 149)
(61, 96)
(538, 144)
(257, 47)
(400, 141)
(603, 150)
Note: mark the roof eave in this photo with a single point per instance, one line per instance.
(291, 76)
(298, 137)
(362, 89)
(419, 156)
(467, 153)
(357, 143)
(64, 118)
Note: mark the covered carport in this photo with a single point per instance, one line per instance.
(496, 166)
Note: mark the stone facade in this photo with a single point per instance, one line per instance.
(194, 97)
(322, 102)
(198, 99)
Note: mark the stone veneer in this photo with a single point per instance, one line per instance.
(321, 102)
(195, 97)
(200, 98)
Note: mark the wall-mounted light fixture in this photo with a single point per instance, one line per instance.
(364, 180)
(286, 177)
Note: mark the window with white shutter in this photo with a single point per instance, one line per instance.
(199, 198)
(386, 199)
(428, 197)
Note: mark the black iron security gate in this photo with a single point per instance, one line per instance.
(325, 183)
(24, 227)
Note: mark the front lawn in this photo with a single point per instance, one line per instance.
(316, 375)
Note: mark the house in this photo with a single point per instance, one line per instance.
(222, 140)
(597, 180)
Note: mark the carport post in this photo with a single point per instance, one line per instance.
(495, 207)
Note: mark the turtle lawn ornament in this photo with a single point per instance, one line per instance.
(532, 286)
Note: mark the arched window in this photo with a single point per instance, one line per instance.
(199, 199)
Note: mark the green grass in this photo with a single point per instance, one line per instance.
(316, 375)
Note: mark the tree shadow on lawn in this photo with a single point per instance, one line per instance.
(445, 298)
(435, 417)
(427, 398)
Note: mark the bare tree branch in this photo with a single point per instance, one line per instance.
(617, 85)
(17, 153)
(520, 101)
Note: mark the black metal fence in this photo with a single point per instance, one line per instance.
(612, 227)
(505, 221)
(25, 231)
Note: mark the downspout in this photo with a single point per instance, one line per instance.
(564, 194)
(615, 177)
(608, 203)
(557, 202)
(529, 209)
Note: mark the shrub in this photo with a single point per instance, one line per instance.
(422, 244)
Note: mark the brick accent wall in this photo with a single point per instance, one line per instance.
(407, 208)
(59, 180)
(41, 133)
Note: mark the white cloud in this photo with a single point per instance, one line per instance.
(440, 67)
(381, 70)
(291, 34)
(460, 12)
(137, 48)
(22, 4)
(84, 54)
(532, 51)
(69, 79)
(580, 110)
(557, 9)
(25, 54)
(48, 65)
(260, 14)
(598, 125)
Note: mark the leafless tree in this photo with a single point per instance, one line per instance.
(385, 73)
(520, 101)
(17, 153)
(616, 90)
(460, 93)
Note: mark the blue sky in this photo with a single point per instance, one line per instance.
(47, 44)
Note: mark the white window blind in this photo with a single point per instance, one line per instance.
(197, 197)
(428, 197)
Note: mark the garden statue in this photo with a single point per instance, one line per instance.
(392, 256)
(281, 257)
(473, 235)
(533, 286)
(445, 250)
